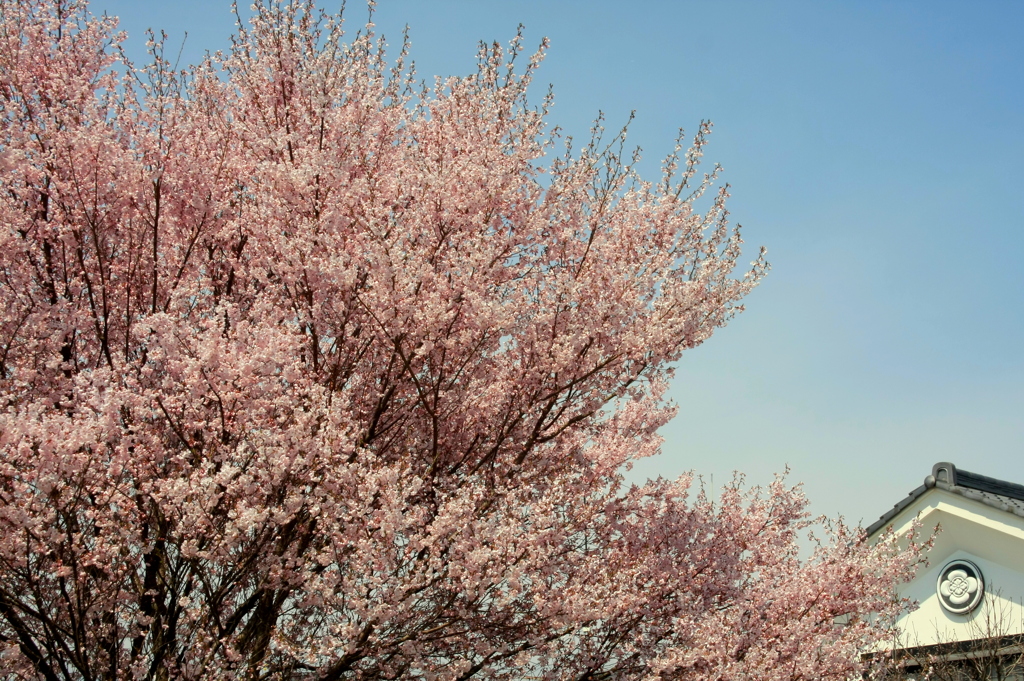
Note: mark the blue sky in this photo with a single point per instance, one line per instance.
(876, 149)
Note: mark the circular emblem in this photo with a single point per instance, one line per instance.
(960, 586)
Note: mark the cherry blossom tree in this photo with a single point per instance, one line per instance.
(309, 370)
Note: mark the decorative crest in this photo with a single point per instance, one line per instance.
(960, 586)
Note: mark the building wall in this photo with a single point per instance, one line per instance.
(992, 539)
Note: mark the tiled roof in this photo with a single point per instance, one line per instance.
(1001, 494)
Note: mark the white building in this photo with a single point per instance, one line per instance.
(970, 595)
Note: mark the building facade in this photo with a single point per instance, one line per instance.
(969, 623)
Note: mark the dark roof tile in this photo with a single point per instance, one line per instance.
(1001, 494)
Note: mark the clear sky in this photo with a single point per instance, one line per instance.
(875, 148)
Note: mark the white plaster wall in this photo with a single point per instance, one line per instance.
(999, 614)
(992, 539)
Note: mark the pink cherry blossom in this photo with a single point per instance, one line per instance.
(308, 371)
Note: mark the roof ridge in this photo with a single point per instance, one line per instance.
(985, 483)
(970, 485)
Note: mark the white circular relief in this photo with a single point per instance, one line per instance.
(960, 586)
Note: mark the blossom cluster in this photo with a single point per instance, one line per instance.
(310, 371)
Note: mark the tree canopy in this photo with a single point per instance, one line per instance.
(311, 371)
